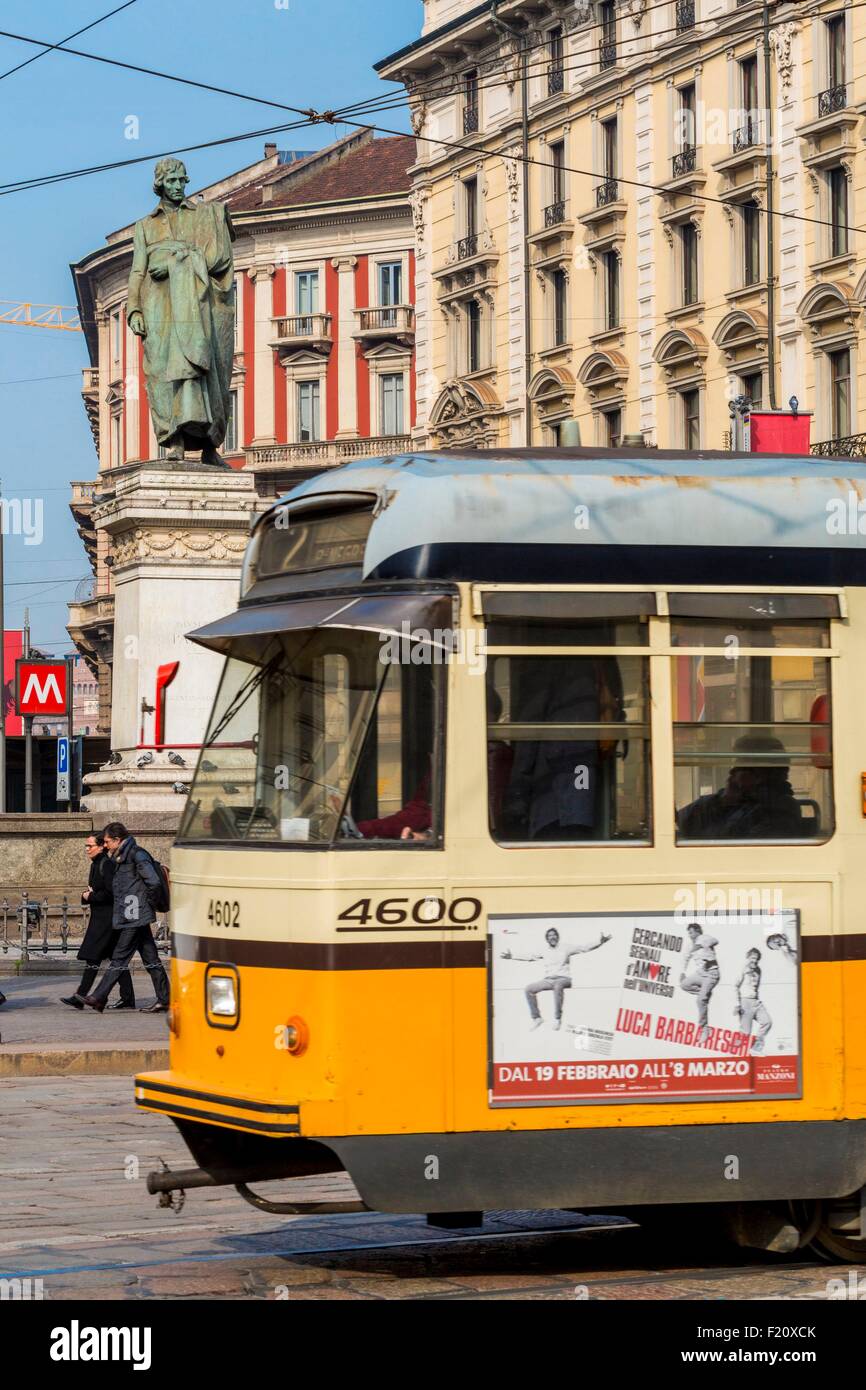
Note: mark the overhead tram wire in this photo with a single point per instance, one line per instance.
(34, 58)
(48, 180)
(335, 117)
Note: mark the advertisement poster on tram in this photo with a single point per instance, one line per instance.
(644, 1006)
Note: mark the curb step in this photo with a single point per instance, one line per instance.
(94, 1059)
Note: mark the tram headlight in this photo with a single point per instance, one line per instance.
(222, 997)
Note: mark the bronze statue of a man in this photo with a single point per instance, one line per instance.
(180, 301)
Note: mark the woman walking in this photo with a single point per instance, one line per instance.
(99, 938)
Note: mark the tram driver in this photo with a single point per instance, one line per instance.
(756, 803)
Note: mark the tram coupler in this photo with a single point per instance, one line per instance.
(166, 1184)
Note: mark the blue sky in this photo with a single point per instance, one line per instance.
(62, 113)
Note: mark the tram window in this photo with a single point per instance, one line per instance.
(315, 715)
(548, 619)
(752, 736)
(530, 632)
(568, 749)
(394, 797)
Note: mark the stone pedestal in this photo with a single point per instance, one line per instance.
(177, 534)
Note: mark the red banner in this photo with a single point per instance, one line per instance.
(13, 646)
(649, 1078)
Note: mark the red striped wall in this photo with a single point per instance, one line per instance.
(332, 307)
(249, 340)
(362, 301)
(279, 309)
(143, 407)
(123, 436)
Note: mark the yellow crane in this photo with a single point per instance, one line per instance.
(29, 315)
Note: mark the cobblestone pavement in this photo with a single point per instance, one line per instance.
(74, 1155)
(33, 1014)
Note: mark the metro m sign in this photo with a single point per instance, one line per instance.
(41, 687)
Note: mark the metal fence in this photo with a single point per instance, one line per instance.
(32, 927)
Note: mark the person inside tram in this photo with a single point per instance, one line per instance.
(553, 789)
(756, 803)
(414, 821)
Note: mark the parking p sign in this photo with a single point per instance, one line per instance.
(63, 778)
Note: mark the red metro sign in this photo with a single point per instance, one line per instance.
(41, 687)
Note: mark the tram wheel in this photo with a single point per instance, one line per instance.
(837, 1238)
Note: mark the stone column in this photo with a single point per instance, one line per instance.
(346, 326)
(177, 533)
(263, 332)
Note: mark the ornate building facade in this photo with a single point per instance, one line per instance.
(632, 213)
(324, 372)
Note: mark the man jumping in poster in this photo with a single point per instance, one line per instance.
(778, 941)
(700, 973)
(750, 1010)
(557, 961)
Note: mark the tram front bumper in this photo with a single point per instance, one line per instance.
(165, 1093)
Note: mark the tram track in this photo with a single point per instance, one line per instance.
(443, 1256)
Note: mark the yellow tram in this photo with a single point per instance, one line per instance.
(524, 861)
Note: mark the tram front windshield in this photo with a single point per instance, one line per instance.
(317, 740)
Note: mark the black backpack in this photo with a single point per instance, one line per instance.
(161, 895)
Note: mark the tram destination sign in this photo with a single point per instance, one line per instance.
(644, 1007)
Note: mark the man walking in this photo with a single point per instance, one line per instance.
(136, 883)
(704, 967)
(99, 941)
(750, 1009)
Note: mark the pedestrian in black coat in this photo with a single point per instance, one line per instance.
(99, 939)
(136, 888)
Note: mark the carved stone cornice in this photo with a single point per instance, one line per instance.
(192, 546)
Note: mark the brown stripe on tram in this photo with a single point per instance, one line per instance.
(417, 955)
(337, 955)
(834, 948)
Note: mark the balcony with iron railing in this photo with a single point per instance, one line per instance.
(386, 321)
(555, 80)
(850, 446)
(685, 15)
(684, 162)
(833, 100)
(303, 330)
(470, 120)
(467, 247)
(747, 136)
(554, 215)
(606, 192)
(607, 54)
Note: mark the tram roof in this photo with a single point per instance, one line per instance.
(492, 515)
